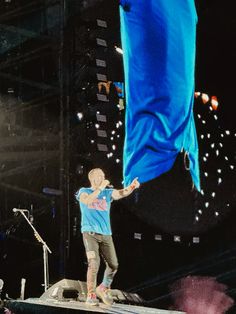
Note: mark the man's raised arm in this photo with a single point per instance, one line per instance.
(118, 194)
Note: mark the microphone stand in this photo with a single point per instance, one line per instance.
(45, 251)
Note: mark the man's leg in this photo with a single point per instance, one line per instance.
(92, 252)
(109, 255)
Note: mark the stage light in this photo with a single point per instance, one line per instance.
(208, 135)
(204, 159)
(217, 152)
(109, 155)
(227, 132)
(10, 90)
(213, 194)
(101, 118)
(216, 213)
(205, 174)
(202, 192)
(158, 237)
(137, 236)
(212, 145)
(200, 211)
(80, 169)
(101, 77)
(101, 133)
(114, 147)
(219, 170)
(92, 141)
(102, 97)
(199, 116)
(101, 63)
(112, 138)
(117, 160)
(102, 147)
(232, 167)
(113, 132)
(205, 98)
(207, 204)
(196, 218)
(101, 42)
(101, 23)
(219, 181)
(121, 105)
(97, 126)
(203, 122)
(80, 116)
(226, 158)
(220, 144)
(119, 50)
(177, 238)
(202, 136)
(214, 102)
(215, 117)
(196, 240)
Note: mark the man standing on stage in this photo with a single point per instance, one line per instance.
(95, 203)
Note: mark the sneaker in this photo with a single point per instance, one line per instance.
(104, 294)
(92, 299)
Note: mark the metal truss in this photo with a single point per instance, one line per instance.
(24, 148)
(28, 8)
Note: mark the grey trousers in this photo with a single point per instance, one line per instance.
(96, 245)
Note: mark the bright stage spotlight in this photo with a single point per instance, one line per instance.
(177, 238)
(80, 116)
(119, 50)
(137, 236)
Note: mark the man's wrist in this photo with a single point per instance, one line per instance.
(132, 187)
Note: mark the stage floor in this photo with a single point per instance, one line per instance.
(35, 305)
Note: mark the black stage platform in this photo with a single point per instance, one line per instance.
(52, 306)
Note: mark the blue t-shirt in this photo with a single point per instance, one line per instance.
(159, 42)
(96, 217)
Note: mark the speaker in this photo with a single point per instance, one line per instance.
(66, 289)
(120, 296)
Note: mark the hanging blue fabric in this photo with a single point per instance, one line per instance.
(159, 43)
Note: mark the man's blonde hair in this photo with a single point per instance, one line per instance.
(91, 172)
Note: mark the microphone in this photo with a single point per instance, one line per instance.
(15, 210)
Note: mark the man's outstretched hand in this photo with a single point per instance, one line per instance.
(135, 184)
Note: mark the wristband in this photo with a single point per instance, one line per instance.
(132, 187)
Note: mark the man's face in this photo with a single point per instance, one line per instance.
(97, 177)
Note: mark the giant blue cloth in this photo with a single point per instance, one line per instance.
(159, 42)
(96, 216)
